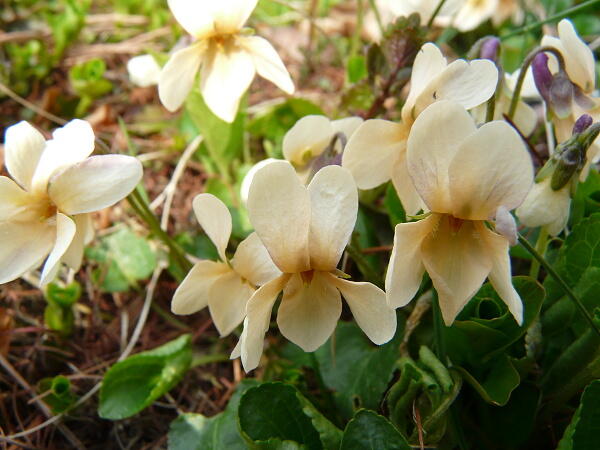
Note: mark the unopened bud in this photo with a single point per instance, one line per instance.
(490, 49)
(582, 124)
(542, 75)
(570, 160)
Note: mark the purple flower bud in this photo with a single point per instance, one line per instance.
(582, 124)
(489, 49)
(542, 75)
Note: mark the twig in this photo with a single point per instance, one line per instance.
(27, 104)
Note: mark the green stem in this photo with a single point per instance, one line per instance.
(377, 16)
(540, 247)
(363, 265)
(359, 21)
(526, 63)
(438, 329)
(435, 13)
(555, 17)
(562, 283)
(490, 108)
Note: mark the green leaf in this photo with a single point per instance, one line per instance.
(196, 432)
(63, 296)
(275, 415)
(495, 381)
(136, 382)
(584, 429)
(356, 68)
(356, 370)
(393, 205)
(57, 393)
(131, 254)
(584, 201)
(370, 431)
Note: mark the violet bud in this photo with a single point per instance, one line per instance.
(490, 49)
(542, 75)
(582, 124)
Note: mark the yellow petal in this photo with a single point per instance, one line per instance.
(226, 76)
(500, 275)
(177, 76)
(307, 139)
(369, 308)
(372, 150)
(279, 210)
(253, 262)
(334, 206)
(215, 219)
(256, 323)
(23, 147)
(406, 269)
(491, 168)
(309, 311)
(65, 231)
(193, 293)
(267, 62)
(458, 263)
(227, 298)
(433, 141)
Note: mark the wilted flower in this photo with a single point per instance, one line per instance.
(225, 53)
(306, 142)
(466, 176)
(47, 212)
(143, 70)
(376, 152)
(305, 230)
(224, 286)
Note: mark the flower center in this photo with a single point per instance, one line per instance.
(307, 276)
(455, 223)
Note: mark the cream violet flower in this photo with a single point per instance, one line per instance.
(425, 9)
(376, 152)
(544, 206)
(45, 213)
(305, 142)
(223, 286)
(305, 230)
(226, 56)
(143, 70)
(580, 68)
(466, 176)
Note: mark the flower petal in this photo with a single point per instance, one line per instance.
(197, 18)
(143, 70)
(506, 225)
(347, 125)
(69, 145)
(24, 246)
(405, 188)
(214, 217)
(372, 150)
(226, 76)
(457, 261)
(177, 76)
(258, 317)
(405, 270)
(231, 15)
(369, 308)
(500, 276)
(491, 168)
(13, 201)
(23, 147)
(267, 62)
(279, 209)
(334, 206)
(247, 181)
(433, 141)
(309, 312)
(429, 63)
(474, 13)
(546, 207)
(227, 298)
(94, 184)
(65, 231)
(579, 59)
(193, 293)
(468, 84)
(83, 235)
(253, 262)
(307, 139)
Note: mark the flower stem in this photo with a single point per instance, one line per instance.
(526, 63)
(435, 13)
(540, 247)
(562, 283)
(438, 329)
(553, 18)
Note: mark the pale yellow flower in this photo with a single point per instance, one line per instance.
(224, 286)
(376, 152)
(143, 70)
(305, 230)
(581, 69)
(224, 53)
(46, 212)
(466, 176)
(546, 207)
